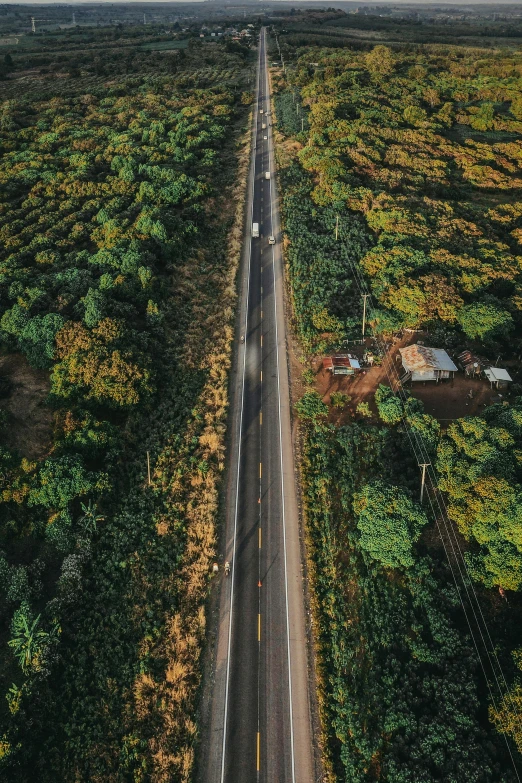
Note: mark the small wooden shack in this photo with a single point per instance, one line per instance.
(344, 364)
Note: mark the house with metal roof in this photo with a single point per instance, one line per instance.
(426, 364)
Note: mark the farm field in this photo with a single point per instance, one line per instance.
(166, 45)
(399, 172)
(120, 222)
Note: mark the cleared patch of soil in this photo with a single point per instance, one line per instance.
(23, 392)
(445, 401)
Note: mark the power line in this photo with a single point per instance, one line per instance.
(420, 451)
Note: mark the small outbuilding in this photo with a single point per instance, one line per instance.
(344, 364)
(498, 377)
(426, 364)
(472, 365)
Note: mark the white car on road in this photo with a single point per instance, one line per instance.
(271, 240)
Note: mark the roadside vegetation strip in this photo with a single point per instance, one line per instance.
(395, 654)
(104, 576)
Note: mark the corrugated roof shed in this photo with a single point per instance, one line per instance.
(343, 360)
(495, 374)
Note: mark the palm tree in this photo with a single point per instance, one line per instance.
(28, 641)
(90, 517)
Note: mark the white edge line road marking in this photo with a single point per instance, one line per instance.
(254, 134)
(281, 449)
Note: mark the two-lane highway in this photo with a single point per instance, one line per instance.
(259, 723)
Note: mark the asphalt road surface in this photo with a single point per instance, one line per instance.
(259, 726)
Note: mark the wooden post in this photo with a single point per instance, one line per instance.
(365, 297)
(423, 465)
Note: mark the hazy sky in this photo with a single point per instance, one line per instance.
(237, 3)
(290, 2)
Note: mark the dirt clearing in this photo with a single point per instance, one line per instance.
(445, 401)
(23, 391)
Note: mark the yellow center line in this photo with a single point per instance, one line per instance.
(261, 315)
(261, 418)
(260, 469)
(261, 341)
(259, 538)
(261, 376)
(258, 627)
(258, 753)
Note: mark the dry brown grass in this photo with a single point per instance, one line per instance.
(167, 702)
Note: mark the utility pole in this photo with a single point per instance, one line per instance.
(336, 227)
(33, 26)
(423, 465)
(148, 467)
(365, 297)
(302, 124)
(144, 22)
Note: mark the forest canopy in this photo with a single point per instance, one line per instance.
(116, 298)
(400, 175)
(425, 147)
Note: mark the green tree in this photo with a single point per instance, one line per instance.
(389, 523)
(415, 115)
(35, 336)
(379, 61)
(29, 642)
(311, 406)
(94, 304)
(340, 399)
(516, 107)
(483, 118)
(422, 423)
(389, 405)
(484, 320)
(363, 409)
(90, 517)
(477, 468)
(62, 479)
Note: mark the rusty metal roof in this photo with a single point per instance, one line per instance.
(417, 358)
(344, 360)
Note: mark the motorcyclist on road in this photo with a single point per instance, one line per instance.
(227, 568)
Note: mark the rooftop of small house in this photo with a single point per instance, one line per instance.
(419, 358)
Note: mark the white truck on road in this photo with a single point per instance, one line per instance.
(255, 229)
(267, 175)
